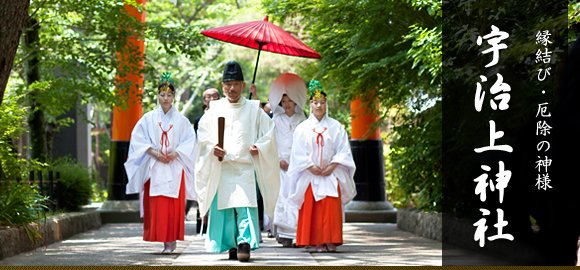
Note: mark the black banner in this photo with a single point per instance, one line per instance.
(511, 134)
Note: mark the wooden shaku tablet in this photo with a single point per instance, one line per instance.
(221, 126)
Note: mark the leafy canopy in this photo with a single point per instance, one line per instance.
(387, 53)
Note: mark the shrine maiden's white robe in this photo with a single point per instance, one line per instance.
(286, 213)
(165, 178)
(246, 124)
(306, 152)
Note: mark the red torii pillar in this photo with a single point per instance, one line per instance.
(123, 123)
(369, 177)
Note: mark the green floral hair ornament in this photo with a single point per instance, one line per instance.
(165, 82)
(315, 89)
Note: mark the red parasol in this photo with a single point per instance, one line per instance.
(262, 35)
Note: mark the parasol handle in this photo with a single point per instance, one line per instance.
(260, 44)
(221, 126)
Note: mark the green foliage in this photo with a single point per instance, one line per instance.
(426, 50)
(192, 75)
(79, 42)
(22, 206)
(101, 142)
(77, 48)
(99, 191)
(395, 194)
(11, 126)
(12, 115)
(376, 46)
(78, 45)
(388, 53)
(174, 44)
(573, 20)
(76, 184)
(416, 157)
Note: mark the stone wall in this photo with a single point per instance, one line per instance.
(459, 232)
(428, 225)
(56, 228)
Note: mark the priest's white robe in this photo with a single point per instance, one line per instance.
(306, 152)
(165, 178)
(245, 125)
(286, 213)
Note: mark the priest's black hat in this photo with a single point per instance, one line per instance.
(233, 72)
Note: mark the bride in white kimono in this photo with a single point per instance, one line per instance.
(160, 167)
(287, 97)
(322, 166)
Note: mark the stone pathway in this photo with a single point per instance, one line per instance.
(122, 244)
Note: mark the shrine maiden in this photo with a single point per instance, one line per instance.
(160, 167)
(321, 163)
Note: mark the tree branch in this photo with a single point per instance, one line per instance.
(201, 81)
(180, 13)
(192, 98)
(22, 59)
(39, 7)
(198, 8)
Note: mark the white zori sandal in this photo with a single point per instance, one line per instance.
(169, 247)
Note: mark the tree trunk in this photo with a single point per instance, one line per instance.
(13, 14)
(50, 129)
(98, 134)
(36, 119)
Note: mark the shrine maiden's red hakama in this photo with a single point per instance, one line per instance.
(321, 198)
(163, 216)
(316, 217)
